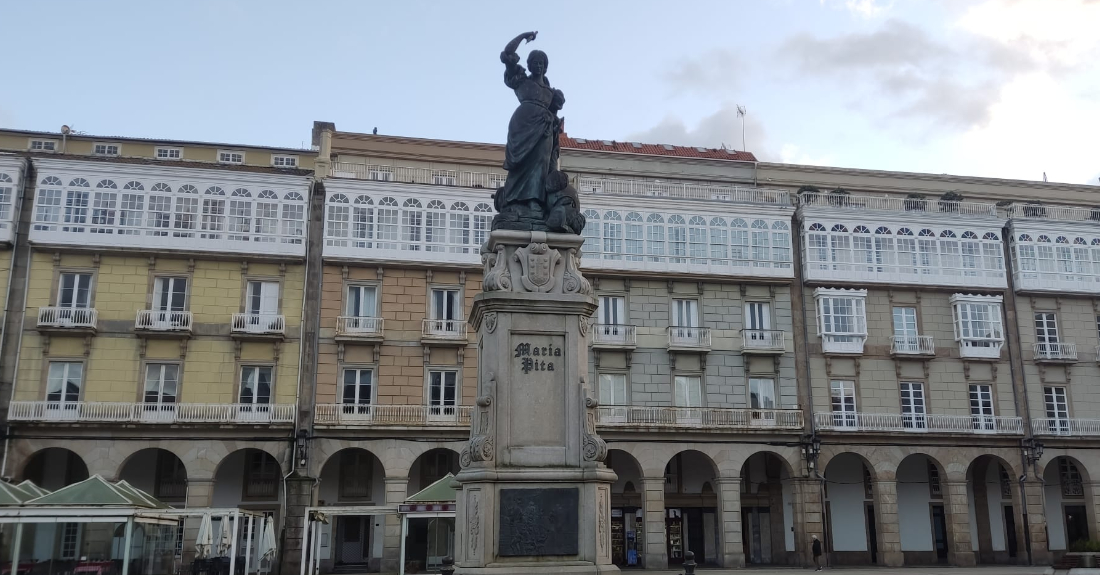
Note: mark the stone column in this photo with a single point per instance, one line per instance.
(980, 489)
(808, 518)
(200, 493)
(656, 547)
(299, 496)
(960, 550)
(1036, 524)
(729, 514)
(886, 523)
(397, 490)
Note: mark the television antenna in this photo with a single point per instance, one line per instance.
(741, 112)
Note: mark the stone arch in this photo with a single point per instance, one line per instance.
(691, 495)
(351, 476)
(998, 535)
(1069, 502)
(925, 532)
(430, 466)
(849, 496)
(205, 458)
(767, 513)
(157, 471)
(54, 467)
(249, 472)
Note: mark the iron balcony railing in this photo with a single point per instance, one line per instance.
(614, 335)
(259, 323)
(126, 412)
(698, 417)
(67, 317)
(918, 422)
(1065, 426)
(689, 337)
(165, 321)
(913, 345)
(763, 339)
(897, 204)
(394, 415)
(359, 326)
(445, 329)
(1055, 351)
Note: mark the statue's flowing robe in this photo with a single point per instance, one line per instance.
(531, 135)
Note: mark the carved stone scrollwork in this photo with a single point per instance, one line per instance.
(490, 322)
(583, 325)
(593, 447)
(481, 447)
(573, 281)
(497, 276)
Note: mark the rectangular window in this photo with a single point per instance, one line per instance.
(358, 390)
(1057, 409)
(844, 403)
(43, 145)
(161, 383)
(76, 210)
(444, 177)
(762, 397)
(262, 298)
(612, 310)
(227, 157)
(169, 294)
(981, 407)
(356, 472)
(163, 153)
(905, 322)
(261, 476)
(380, 173)
(978, 324)
(685, 313)
(1046, 329)
(442, 392)
(445, 304)
(689, 391)
(362, 301)
(70, 536)
(74, 291)
(613, 389)
(63, 384)
(105, 149)
(255, 385)
(935, 488)
(758, 315)
(843, 318)
(912, 406)
(283, 161)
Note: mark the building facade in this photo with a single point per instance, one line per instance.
(898, 363)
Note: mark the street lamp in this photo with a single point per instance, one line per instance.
(811, 448)
(1033, 450)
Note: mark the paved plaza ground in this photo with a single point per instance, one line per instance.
(988, 570)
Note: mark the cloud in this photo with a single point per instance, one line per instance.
(913, 75)
(721, 127)
(862, 8)
(793, 154)
(714, 71)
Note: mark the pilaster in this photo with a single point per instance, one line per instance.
(397, 489)
(656, 548)
(808, 517)
(729, 515)
(1036, 522)
(956, 506)
(886, 523)
(299, 496)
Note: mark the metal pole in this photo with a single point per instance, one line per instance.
(126, 552)
(233, 543)
(317, 549)
(249, 534)
(16, 544)
(404, 533)
(305, 543)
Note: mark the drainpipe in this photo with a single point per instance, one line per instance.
(1015, 356)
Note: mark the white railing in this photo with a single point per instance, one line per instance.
(1055, 351)
(980, 348)
(689, 337)
(394, 415)
(687, 190)
(258, 323)
(919, 423)
(126, 412)
(698, 417)
(1064, 213)
(156, 320)
(913, 345)
(410, 175)
(897, 204)
(445, 329)
(67, 317)
(763, 339)
(359, 326)
(1065, 426)
(843, 342)
(614, 335)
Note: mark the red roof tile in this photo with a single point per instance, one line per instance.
(655, 149)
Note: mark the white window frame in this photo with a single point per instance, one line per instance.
(1056, 405)
(614, 389)
(842, 398)
(360, 310)
(230, 157)
(157, 373)
(760, 390)
(835, 340)
(982, 407)
(64, 407)
(284, 160)
(441, 407)
(975, 333)
(106, 149)
(43, 145)
(253, 401)
(359, 405)
(684, 395)
(914, 405)
(170, 153)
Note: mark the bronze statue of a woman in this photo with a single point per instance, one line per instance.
(536, 196)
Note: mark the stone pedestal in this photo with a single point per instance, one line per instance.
(534, 495)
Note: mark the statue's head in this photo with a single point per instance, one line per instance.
(537, 62)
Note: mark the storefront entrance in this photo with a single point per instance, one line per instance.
(626, 536)
(352, 544)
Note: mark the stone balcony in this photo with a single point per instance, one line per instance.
(645, 418)
(689, 339)
(918, 423)
(80, 320)
(1062, 352)
(429, 416)
(355, 328)
(167, 324)
(444, 332)
(614, 336)
(151, 413)
(258, 326)
(763, 341)
(913, 345)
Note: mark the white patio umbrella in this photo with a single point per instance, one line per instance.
(225, 542)
(267, 541)
(205, 539)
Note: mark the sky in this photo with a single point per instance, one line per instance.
(996, 88)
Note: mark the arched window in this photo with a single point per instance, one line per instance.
(635, 237)
(241, 193)
(863, 250)
(55, 181)
(655, 237)
(739, 242)
(761, 243)
(338, 217)
(213, 213)
(240, 215)
(968, 235)
(592, 246)
(815, 227)
(883, 230)
(677, 238)
(612, 235)
(817, 247)
(188, 189)
(781, 245)
(161, 187)
(719, 242)
(861, 230)
(945, 234)
(1023, 238)
(105, 209)
(1080, 241)
(386, 223)
(294, 218)
(5, 196)
(838, 228)
(697, 239)
(362, 221)
(458, 228)
(435, 227)
(482, 218)
(1044, 254)
(107, 184)
(266, 223)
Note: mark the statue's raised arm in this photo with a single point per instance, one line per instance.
(514, 74)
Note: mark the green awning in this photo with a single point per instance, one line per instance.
(14, 494)
(438, 492)
(33, 489)
(96, 491)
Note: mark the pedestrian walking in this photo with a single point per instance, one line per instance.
(817, 552)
